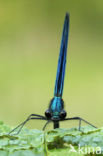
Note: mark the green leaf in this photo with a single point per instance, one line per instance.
(56, 142)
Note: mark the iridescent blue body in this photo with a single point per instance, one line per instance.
(59, 83)
(57, 105)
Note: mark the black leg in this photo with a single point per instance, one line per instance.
(46, 124)
(79, 124)
(56, 124)
(80, 119)
(30, 117)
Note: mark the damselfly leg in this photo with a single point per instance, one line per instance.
(46, 124)
(79, 119)
(30, 117)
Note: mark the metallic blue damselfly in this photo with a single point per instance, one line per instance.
(55, 112)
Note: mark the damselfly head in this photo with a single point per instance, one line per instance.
(56, 109)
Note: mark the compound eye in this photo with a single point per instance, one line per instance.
(63, 114)
(48, 114)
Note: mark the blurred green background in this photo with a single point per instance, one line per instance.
(30, 35)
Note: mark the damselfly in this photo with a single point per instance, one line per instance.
(55, 112)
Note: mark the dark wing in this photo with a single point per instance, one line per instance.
(62, 60)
